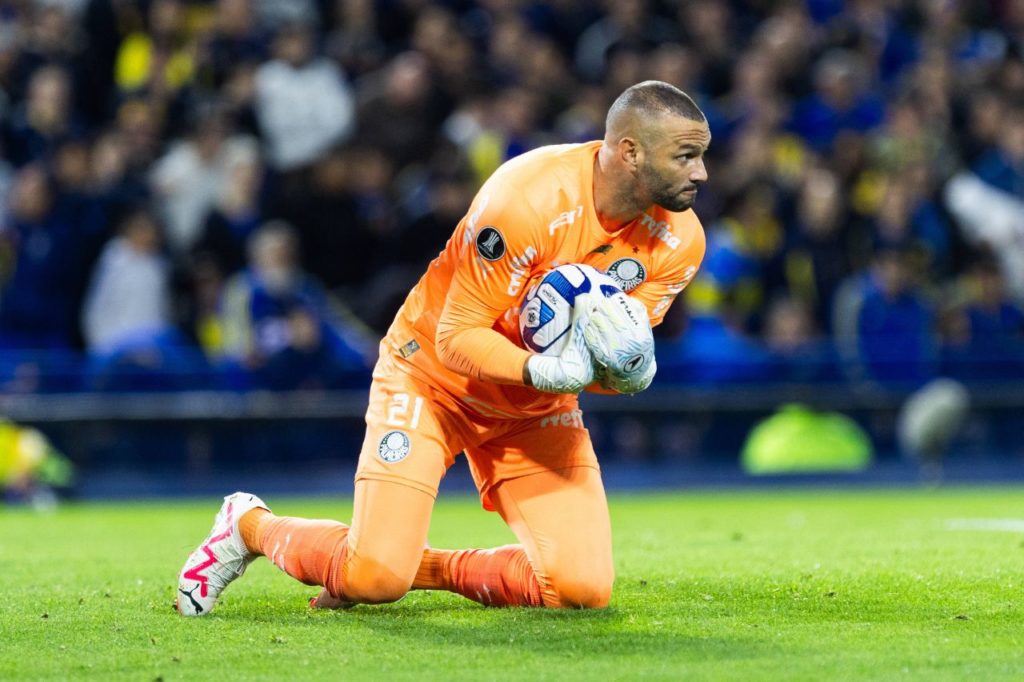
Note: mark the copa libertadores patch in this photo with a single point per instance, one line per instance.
(394, 447)
(490, 244)
(628, 273)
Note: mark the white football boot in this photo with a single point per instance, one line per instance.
(221, 558)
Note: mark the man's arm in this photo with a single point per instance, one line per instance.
(501, 241)
(500, 228)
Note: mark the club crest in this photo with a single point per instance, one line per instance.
(628, 273)
(394, 447)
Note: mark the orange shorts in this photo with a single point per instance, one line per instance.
(414, 432)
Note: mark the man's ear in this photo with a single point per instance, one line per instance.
(630, 153)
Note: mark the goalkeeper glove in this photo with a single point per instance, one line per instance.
(573, 369)
(628, 384)
(620, 339)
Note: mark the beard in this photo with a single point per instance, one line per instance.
(663, 194)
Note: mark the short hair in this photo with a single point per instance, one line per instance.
(653, 98)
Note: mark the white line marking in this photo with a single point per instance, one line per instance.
(996, 525)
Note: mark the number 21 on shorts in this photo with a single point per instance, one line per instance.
(398, 410)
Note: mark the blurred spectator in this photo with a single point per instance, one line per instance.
(401, 110)
(629, 23)
(44, 120)
(53, 39)
(796, 351)
(906, 139)
(372, 187)
(236, 215)
(1002, 166)
(235, 40)
(739, 248)
(985, 113)
(785, 43)
(110, 180)
(459, 71)
(129, 295)
(339, 243)
(190, 177)
(127, 317)
(971, 49)
(816, 256)
(158, 58)
(200, 287)
(905, 217)
(353, 38)
(279, 322)
(990, 345)
(37, 300)
(139, 123)
(895, 325)
(842, 101)
(303, 102)
(708, 28)
(88, 208)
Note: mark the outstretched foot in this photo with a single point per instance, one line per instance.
(221, 558)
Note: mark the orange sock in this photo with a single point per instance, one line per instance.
(311, 551)
(501, 576)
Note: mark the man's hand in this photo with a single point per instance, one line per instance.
(573, 369)
(633, 384)
(620, 339)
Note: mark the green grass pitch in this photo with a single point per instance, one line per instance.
(780, 585)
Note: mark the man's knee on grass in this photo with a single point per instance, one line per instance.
(370, 582)
(578, 592)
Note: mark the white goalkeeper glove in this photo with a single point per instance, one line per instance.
(620, 339)
(573, 369)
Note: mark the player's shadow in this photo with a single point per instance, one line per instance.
(543, 632)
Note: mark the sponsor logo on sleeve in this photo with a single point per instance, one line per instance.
(490, 244)
(520, 270)
(628, 273)
(393, 447)
(674, 290)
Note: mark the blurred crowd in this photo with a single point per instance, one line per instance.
(239, 193)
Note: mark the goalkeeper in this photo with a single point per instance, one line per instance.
(453, 377)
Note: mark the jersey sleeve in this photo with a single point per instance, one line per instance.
(678, 270)
(498, 246)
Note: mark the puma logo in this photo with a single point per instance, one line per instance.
(198, 607)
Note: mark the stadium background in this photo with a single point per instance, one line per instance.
(209, 212)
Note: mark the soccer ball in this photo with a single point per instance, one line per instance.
(545, 316)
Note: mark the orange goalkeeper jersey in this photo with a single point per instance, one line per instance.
(534, 213)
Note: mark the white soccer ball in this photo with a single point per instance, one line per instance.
(545, 316)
